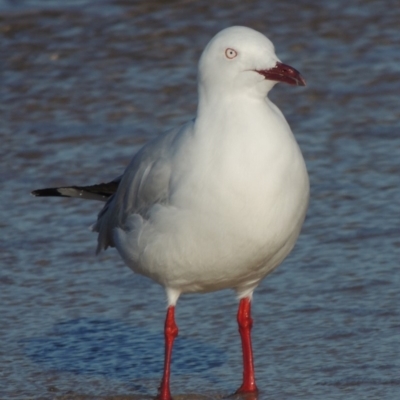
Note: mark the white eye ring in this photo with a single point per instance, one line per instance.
(230, 53)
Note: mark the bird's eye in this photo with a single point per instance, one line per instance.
(230, 53)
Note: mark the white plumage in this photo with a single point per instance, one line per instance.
(219, 202)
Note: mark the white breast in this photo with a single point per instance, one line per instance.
(236, 207)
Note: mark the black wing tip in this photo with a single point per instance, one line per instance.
(46, 192)
(101, 191)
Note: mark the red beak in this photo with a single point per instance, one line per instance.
(283, 73)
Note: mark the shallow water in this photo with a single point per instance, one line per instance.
(82, 88)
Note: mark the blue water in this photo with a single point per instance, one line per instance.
(83, 86)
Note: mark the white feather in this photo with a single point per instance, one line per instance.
(218, 203)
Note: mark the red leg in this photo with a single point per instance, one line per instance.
(170, 332)
(245, 323)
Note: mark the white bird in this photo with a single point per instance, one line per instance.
(219, 202)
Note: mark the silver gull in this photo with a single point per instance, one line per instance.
(218, 202)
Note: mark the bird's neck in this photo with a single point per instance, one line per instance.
(230, 113)
(219, 98)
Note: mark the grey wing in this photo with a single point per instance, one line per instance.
(144, 183)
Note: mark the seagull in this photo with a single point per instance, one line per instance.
(216, 203)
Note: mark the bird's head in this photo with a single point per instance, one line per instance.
(242, 60)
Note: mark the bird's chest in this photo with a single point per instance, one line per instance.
(246, 174)
(256, 188)
(249, 171)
